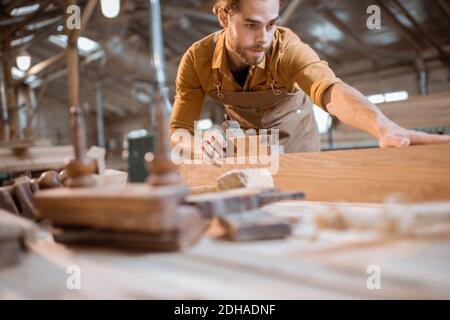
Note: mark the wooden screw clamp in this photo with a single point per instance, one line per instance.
(80, 170)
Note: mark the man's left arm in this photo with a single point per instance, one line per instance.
(355, 110)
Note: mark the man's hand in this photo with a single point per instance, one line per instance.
(396, 136)
(353, 109)
(214, 145)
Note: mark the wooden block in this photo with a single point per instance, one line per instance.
(239, 200)
(203, 189)
(245, 178)
(254, 225)
(223, 202)
(189, 229)
(135, 207)
(416, 173)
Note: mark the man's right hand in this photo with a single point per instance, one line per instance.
(214, 146)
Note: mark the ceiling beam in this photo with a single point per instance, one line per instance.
(177, 12)
(348, 32)
(38, 38)
(288, 12)
(84, 61)
(444, 6)
(115, 109)
(406, 33)
(8, 8)
(39, 67)
(87, 13)
(442, 54)
(28, 19)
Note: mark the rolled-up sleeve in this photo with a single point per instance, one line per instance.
(302, 64)
(189, 96)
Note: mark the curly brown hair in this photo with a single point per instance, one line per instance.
(229, 6)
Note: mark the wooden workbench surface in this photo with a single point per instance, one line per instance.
(35, 159)
(329, 264)
(417, 173)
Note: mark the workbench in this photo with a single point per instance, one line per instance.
(330, 264)
(412, 174)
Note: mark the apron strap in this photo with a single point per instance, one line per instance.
(269, 77)
(217, 83)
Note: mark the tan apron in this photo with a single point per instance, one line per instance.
(290, 113)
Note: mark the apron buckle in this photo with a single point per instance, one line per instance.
(276, 92)
(219, 94)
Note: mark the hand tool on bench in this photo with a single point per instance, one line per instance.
(254, 224)
(142, 216)
(152, 210)
(241, 215)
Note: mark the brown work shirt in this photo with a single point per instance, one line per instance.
(293, 65)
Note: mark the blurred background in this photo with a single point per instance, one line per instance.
(403, 66)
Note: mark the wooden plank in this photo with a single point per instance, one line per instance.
(36, 159)
(190, 228)
(417, 173)
(135, 207)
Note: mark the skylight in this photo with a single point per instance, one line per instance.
(21, 11)
(389, 97)
(323, 119)
(86, 46)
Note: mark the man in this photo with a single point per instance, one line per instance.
(261, 72)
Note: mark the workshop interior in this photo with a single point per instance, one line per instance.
(307, 200)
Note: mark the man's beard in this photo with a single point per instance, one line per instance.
(243, 54)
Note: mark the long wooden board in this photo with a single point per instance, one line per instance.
(36, 158)
(418, 173)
